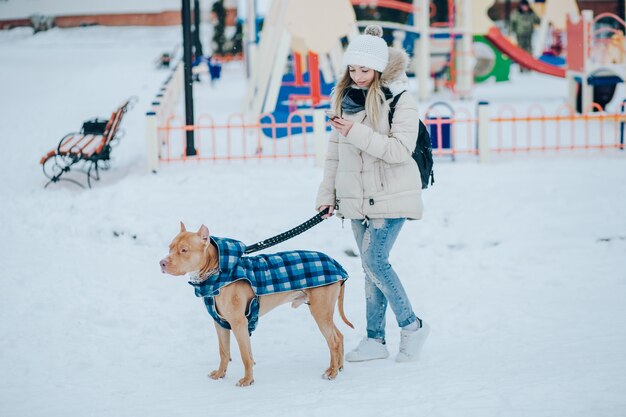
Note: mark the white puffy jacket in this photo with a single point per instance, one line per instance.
(371, 174)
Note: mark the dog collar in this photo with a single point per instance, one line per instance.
(196, 278)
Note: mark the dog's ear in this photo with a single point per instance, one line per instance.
(204, 232)
(182, 227)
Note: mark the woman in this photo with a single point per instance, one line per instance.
(371, 178)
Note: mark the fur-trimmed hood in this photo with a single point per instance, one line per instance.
(394, 76)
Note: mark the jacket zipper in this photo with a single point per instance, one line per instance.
(381, 175)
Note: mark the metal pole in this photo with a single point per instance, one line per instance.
(186, 18)
(465, 70)
(251, 38)
(196, 32)
(421, 20)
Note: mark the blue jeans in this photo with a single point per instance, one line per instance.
(382, 286)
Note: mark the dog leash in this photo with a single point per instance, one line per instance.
(275, 240)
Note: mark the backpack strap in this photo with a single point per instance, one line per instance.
(392, 106)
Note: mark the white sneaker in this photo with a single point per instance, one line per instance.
(411, 343)
(367, 350)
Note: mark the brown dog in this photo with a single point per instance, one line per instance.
(207, 258)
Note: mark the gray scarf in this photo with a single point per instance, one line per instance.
(354, 99)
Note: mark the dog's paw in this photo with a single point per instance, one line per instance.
(330, 374)
(217, 374)
(245, 382)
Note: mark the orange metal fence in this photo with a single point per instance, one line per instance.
(511, 130)
(564, 129)
(236, 139)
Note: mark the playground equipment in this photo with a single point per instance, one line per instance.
(590, 80)
(554, 15)
(483, 26)
(294, 25)
(292, 29)
(490, 61)
(520, 56)
(593, 69)
(458, 47)
(451, 46)
(446, 47)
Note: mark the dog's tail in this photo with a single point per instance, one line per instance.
(340, 305)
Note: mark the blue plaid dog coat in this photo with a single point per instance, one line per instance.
(267, 274)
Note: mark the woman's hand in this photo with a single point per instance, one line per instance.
(343, 126)
(331, 209)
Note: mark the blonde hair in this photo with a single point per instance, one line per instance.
(374, 99)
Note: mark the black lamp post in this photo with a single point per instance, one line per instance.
(186, 20)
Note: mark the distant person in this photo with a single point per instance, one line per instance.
(523, 21)
(371, 179)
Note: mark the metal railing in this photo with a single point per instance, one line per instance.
(507, 130)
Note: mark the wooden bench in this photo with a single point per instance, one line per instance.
(87, 151)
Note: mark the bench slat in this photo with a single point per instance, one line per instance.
(96, 147)
(69, 141)
(89, 147)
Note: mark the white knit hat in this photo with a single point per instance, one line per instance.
(368, 50)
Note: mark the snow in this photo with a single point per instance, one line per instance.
(518, 265)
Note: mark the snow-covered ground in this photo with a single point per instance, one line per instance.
(519, 265)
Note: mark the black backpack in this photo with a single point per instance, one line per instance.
(94, 127)
(423, 153)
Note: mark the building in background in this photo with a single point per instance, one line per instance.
(71, 13)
